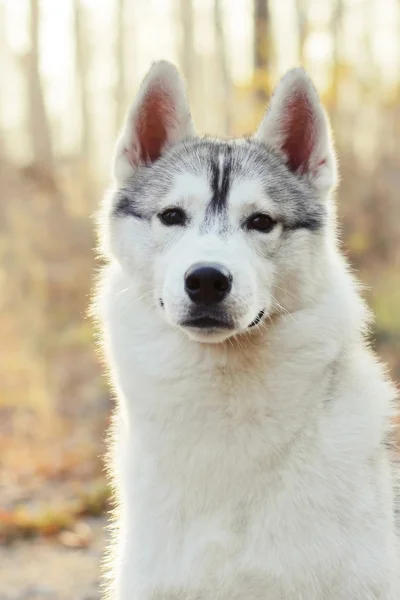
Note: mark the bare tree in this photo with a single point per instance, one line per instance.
(120, 95)
(82, 68)
(187, 52)
(223, 69)
(302, 27)
(336, 26)
(262, 47)
(3, 64)
(39, 126)
(371, 75)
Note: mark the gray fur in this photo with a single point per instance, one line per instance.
(296, 201)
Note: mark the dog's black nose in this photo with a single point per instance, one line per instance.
(207, 283)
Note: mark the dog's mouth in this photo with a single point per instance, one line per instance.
(258, 318)
(213, 321)
(209, 323)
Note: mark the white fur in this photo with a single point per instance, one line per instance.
(253, 468)
(297, 85)
(165, 77)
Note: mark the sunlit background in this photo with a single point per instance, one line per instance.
(69, 70)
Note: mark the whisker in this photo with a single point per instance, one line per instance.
(135, 301)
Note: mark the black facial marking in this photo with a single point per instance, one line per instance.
(257, 319)
(126, 207)
(310, 222)
(220, 181)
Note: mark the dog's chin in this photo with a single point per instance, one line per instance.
(208, 336)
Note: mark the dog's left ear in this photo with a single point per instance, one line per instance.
(159, 118)
(297, 128)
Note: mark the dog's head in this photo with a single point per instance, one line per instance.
(220, 235)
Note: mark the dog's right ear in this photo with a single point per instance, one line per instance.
(159, 118)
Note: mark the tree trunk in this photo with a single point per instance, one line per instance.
(187, 53)
(38, 121)
(302, 27)
(223, 69)
(82, 68)
(4, 65)
(262, 48)
(336, 27)
(120, 94)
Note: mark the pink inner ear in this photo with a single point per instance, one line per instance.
(151, 125)
(299, 132)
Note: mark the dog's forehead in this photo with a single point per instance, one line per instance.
(219, 177)
(200, 190)
(189, 185)
(220, 174)
(228, 178)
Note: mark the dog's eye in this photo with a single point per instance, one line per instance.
(172, 216)
(260, 222)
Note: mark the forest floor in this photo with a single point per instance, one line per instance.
(54, 568)
(53, 505)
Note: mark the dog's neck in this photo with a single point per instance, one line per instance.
(299, 343)
(270, 380)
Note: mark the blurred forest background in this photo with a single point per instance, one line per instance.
(69, 71)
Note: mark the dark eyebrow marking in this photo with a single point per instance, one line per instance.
(125, 207)
(220, 182)
(311, 222)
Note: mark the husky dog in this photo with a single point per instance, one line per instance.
(249, 446)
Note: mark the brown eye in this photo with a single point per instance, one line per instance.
(260, 222)
(172, 216)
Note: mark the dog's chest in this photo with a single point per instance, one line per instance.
(227, 515)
